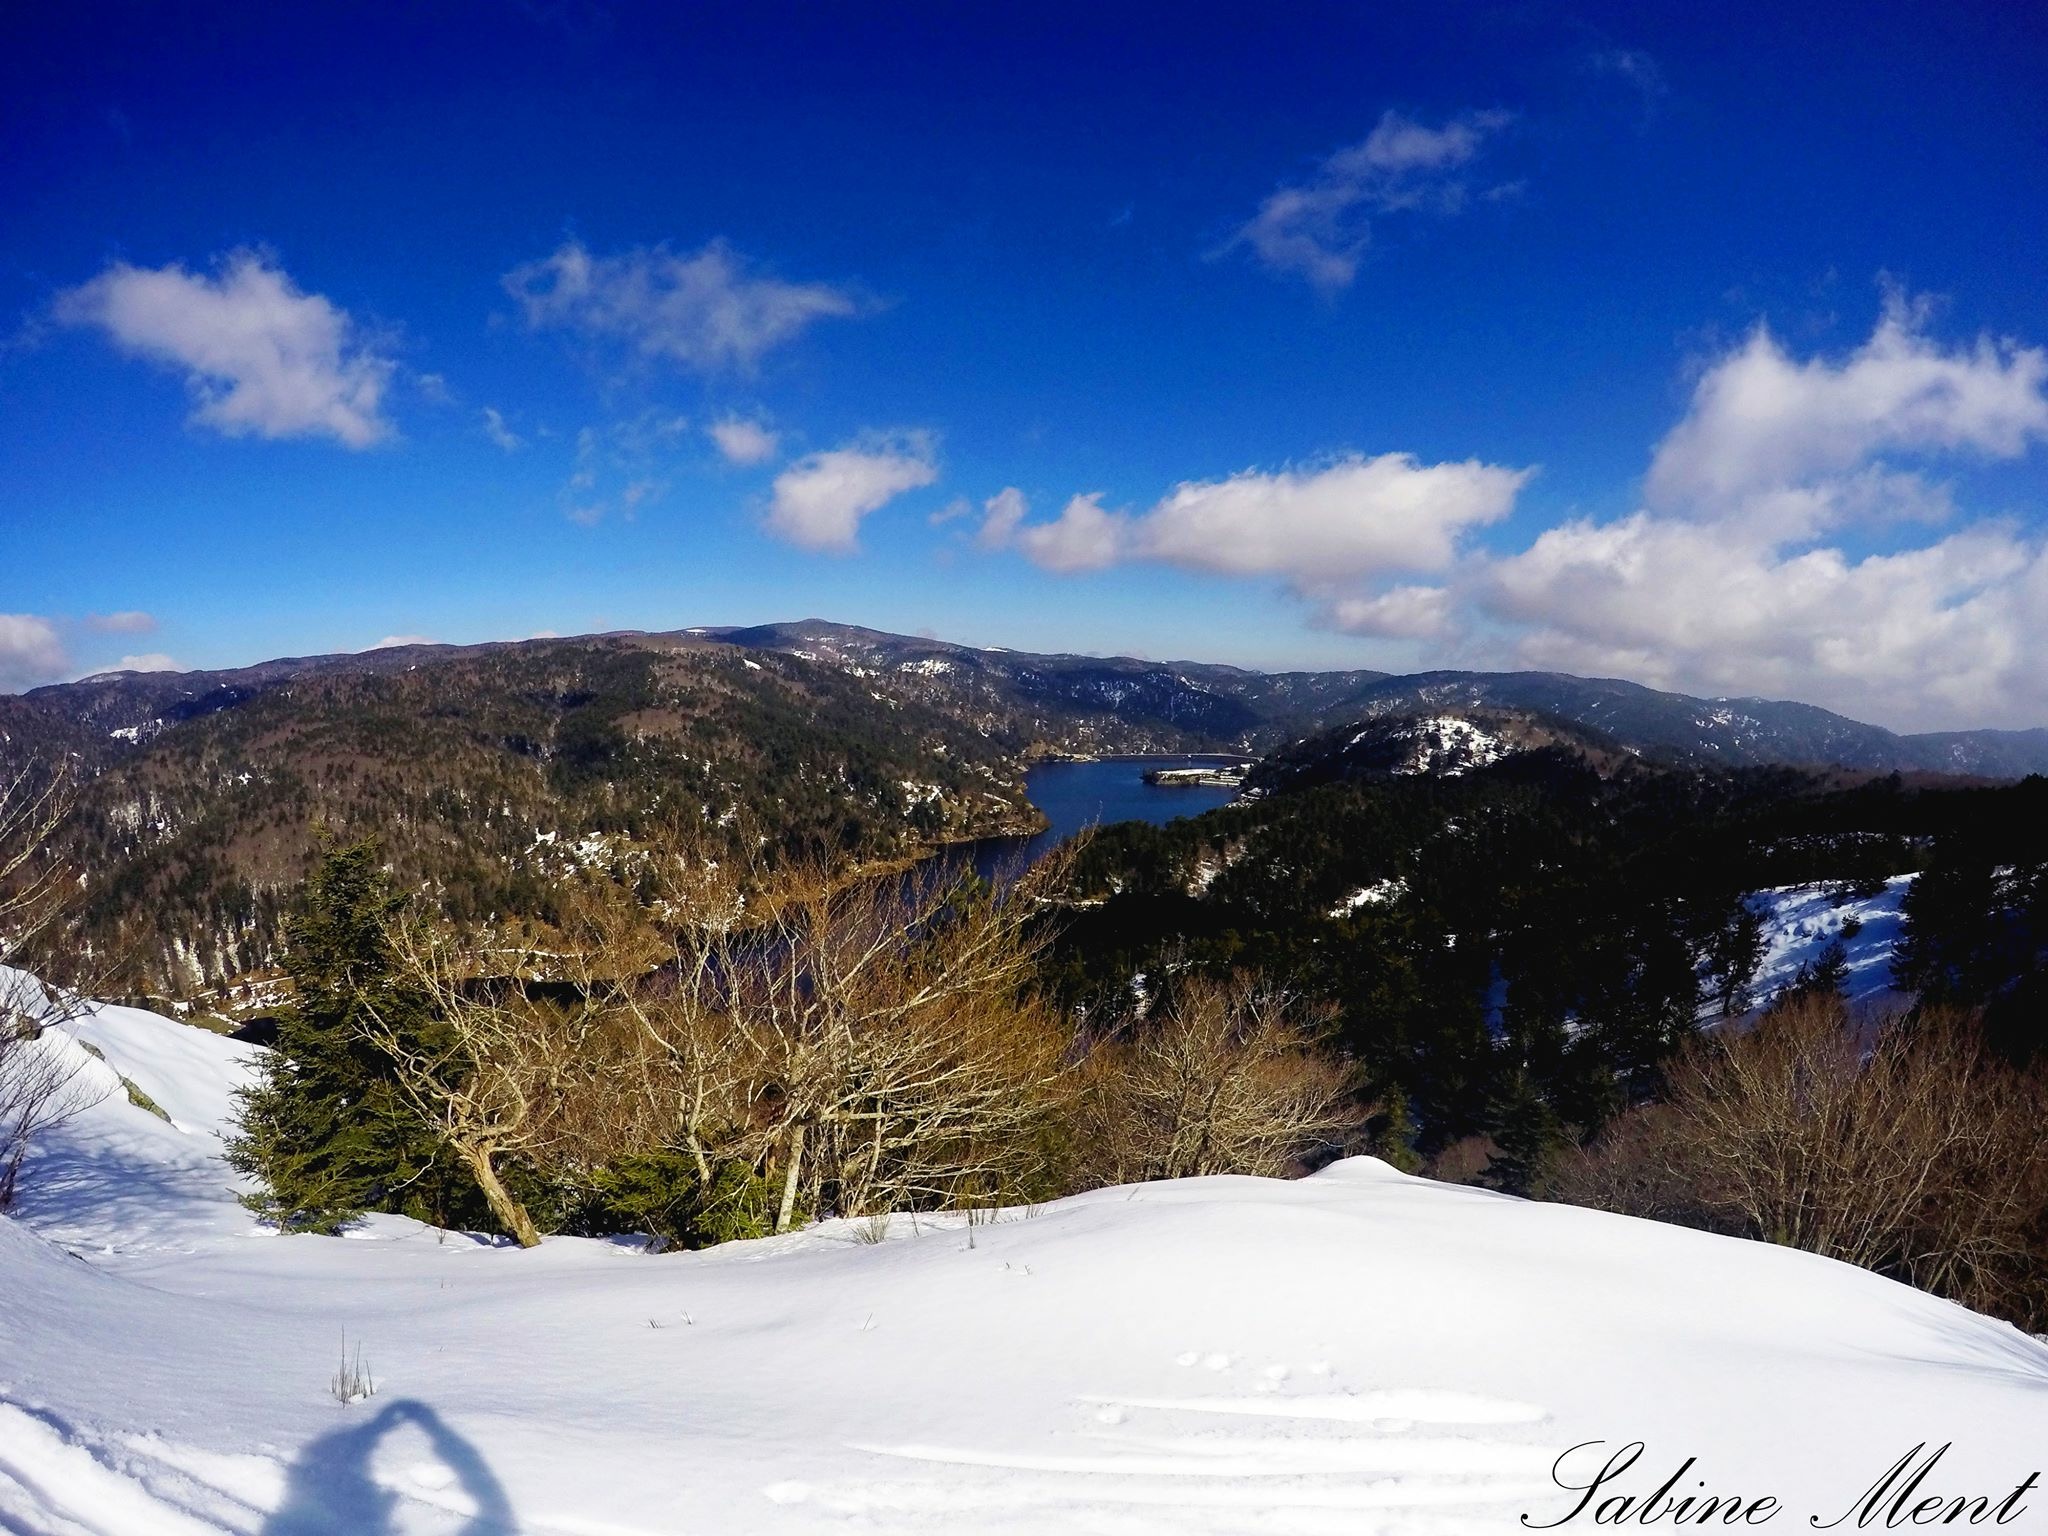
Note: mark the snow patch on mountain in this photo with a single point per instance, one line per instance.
(1378, 893)
(1441, 744)
(1801, 923)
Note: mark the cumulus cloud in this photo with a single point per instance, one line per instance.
(130, 621)
(1083, 537)
(1319, 229)
(1000, 516)
(1793, 540)
(707, 310)
(819, 501)
(31, 651)
(1744, 575)
(1947, 634)
(1762, 422)
(1356, 517)
(260, 357)
(743, 441)
(1317, 529)
(496, 429)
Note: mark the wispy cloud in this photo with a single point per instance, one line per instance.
(820, 501)
(260, 357)
(623, 466)
(707, 310)
(1319, 229)
(1634, 68)
(499, 432)
(131, 621)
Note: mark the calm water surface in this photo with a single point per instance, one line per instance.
(1079, 795)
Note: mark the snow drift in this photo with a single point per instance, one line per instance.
(1358, 1352)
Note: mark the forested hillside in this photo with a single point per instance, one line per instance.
(487, 776)
(1515, 949)
(488, 770)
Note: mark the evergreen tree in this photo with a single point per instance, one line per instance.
(1826, 974)
(321, 1129)
(1526, 1136)
(1734, 955)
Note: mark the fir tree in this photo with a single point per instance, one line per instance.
(1826, 975)
(321, 1129)
(1526, 1136)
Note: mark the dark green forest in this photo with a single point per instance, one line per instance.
(1515, 952)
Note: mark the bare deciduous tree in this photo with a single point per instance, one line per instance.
(1229, 1077)
(1900, 1147)
(503, 1071)
(40, 1083)
(33, 804)
(862, 1042)
(878, 1036)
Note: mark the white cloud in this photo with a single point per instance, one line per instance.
(743, 441)
(707, 310)
(1947, 634)
(392, 642)
(130, 621)
(1319, 229)
(1741, 575)
(498, 432)
(149, 661)
(259, 356)
(819, 501)
(1082, 538)
(1001, 515)
(1400, 613)
(1317, 529)
(31, 651)
(1761, 422)
(1357, 517)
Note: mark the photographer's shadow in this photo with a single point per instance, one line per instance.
(330, 1491)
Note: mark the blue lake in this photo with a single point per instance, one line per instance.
(1075, 796)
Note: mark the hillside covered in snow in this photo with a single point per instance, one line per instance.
(1359, 1351)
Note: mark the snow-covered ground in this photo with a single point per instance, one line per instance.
(1359, 1352)
(1801, 921)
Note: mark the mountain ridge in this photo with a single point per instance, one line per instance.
(1072, 703)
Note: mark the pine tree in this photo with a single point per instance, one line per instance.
(321, 1129)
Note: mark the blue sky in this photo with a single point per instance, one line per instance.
(1696, 345)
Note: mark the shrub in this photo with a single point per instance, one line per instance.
(1903, 1146)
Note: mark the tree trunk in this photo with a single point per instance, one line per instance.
(787, 1210)
(510, 1213)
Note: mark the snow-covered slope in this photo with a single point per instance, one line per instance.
(1358, 1352)
(1801, 922)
